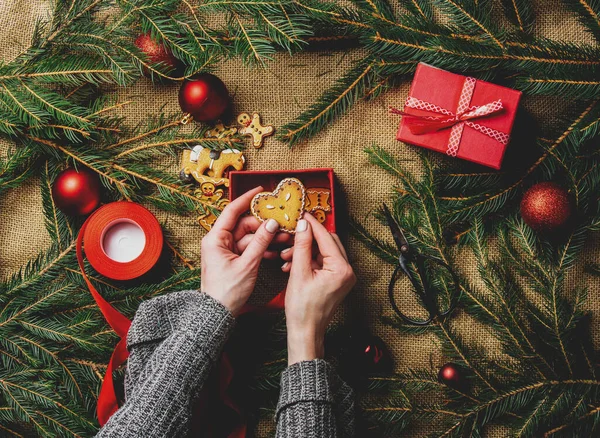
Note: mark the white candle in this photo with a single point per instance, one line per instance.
(123, 240)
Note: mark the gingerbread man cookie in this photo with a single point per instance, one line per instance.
(209, 193)
(317, 199)
(320, 215)
(285, 204)
(220, 131)
(251, 127)
(207, 220)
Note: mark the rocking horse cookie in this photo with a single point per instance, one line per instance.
(252, 127)
(285, 204)
(207, 165)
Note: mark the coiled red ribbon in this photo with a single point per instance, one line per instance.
(91, 235)
(418, 124)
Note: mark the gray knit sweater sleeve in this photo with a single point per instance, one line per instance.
(174, 341)
(314, 403)
(178, 337)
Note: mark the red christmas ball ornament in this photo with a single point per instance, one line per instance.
(546, 207)
(451, 375)
(76, 192)
(204, 96)
(155, 51)
(365, 354)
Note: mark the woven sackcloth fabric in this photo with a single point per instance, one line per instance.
(279, 94)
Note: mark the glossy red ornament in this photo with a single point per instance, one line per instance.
(155, 51)
(75, 192)
(546, 207)
(364, 354)
(204, 96)
(451, 375)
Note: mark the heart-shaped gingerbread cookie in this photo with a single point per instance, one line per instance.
(285, 204)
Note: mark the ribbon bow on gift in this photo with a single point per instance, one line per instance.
(419, 125)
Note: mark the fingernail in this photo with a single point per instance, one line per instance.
(283, 251)
(272, 225)
(302, 225)
(285, 265)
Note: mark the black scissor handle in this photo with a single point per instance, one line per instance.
(417, 287)
(423, 291)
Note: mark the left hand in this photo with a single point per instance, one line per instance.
(232, 252)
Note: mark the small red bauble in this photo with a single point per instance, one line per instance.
(451, 375)
(546, 207)
(204, 96)
(366, 354)
(76, 192)
(155, 51)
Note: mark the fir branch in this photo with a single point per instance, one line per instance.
(467, 14)
(144, 134)
(331, 105)
(520, 12)
(588, 13)
(583, 89)
(482, 204)
(16, 168)
(56, 223)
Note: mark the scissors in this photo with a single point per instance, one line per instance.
(424, 291)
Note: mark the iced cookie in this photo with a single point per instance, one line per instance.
(285, 204)
(317, 199)
(252, 127)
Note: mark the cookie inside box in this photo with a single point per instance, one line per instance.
(318, 201)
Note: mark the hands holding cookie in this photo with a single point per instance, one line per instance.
(319, 280)
(232, 252)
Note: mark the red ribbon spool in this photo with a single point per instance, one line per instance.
(110, 215)
(93, 233)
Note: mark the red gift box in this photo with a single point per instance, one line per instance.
(457, 115)
(242, 181)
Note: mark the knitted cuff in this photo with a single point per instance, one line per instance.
(210, 324)
(195, 313)
(303, 382)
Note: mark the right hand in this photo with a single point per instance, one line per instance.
(315, 288)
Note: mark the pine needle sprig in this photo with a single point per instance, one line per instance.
(588, 13)
(520, 13)
(16, 168)
(331, 105)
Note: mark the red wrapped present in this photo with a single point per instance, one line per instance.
(458, 115)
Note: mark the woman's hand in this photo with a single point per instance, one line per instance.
(232, 251)
(315, 289)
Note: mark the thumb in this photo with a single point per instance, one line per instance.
(302, 261)
(260, 242)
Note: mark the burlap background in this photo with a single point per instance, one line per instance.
(279, 94)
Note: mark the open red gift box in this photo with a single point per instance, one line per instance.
(242, 181)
